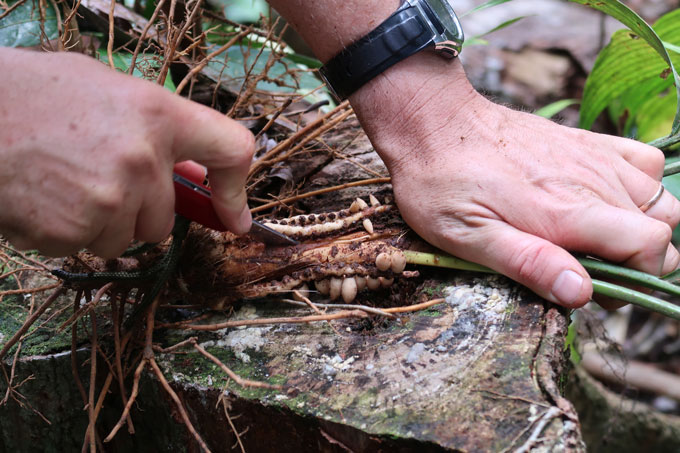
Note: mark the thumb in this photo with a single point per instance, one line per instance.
(548, 270)
(223, 146)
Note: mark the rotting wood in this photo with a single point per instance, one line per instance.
(459, 376)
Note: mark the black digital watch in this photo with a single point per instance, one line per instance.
(415, 26)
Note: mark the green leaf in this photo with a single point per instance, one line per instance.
(654, 118)
(283, 76)
(242, 11)
(486, 5)
(553, 109)
(221, 33)
(505, 24)
(475, 42)
(671, 47)
(21, 28)
(628, 61)
(122, 60)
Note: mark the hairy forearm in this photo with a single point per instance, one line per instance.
(387, 106)
(328, 25)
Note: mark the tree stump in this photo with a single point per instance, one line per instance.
(480, 372)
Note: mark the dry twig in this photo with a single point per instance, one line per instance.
(314, 193)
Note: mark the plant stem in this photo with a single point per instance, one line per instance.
(671, 169)
(445, 261)
(666, 143)
(603, 269)
(593, 266)
(637, 298)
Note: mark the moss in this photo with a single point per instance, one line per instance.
(196, 369)
(431, 313)
(510, 308)
(367, 399)
(433, 290)
(40, 339)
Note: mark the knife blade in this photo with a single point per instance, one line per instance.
(193, 201)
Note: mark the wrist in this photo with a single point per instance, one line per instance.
(403, 109)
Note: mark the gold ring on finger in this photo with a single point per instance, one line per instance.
(652, 201)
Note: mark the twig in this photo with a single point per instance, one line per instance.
(199, 67)
(97, 409)
(117, 346)
(173, 348)
(547, 417)
(416, 307)
(366, 308)
(299, 145)
(146, 358)
(133, 397)
(93, 379)
(74, 352)
(239, 380)
(173, 44)
(31, 320)
(265, 321)
(274, 117)
(180, 324)
(314, 193)
(12, 8)
(21, 254)
(40, 289)
(142, 37)
(496, 395)
(109, 45)
(311, 305)
(82, 311)
(249, 84)
(178, 403)
(223, 400)
(296, 137)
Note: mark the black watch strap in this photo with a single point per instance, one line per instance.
(401, 35)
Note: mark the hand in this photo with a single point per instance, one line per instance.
(86, 155)
(513, 191)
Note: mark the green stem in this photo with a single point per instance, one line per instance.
(603, 269)
(637, 298)
(593, 266)
(671, 169)
(666, 143)
(445, 261)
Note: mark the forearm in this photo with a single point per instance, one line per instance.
(328, 25)
(389, 104)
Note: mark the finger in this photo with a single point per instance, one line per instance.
(618, 235)
(666, 210)
(648, 159)
(672, 261)
(641, 189)
(116, 235)
(545, 268)
(226, 149)
(156, 215)
(191, 170)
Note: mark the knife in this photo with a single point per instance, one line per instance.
(193, 201)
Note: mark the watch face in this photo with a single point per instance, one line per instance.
(447, 16)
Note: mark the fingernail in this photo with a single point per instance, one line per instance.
(567, 288)
(245, 220)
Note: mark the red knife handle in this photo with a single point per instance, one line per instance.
(195, 203)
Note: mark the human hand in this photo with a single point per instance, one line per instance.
(86, 155)
(513, 191)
